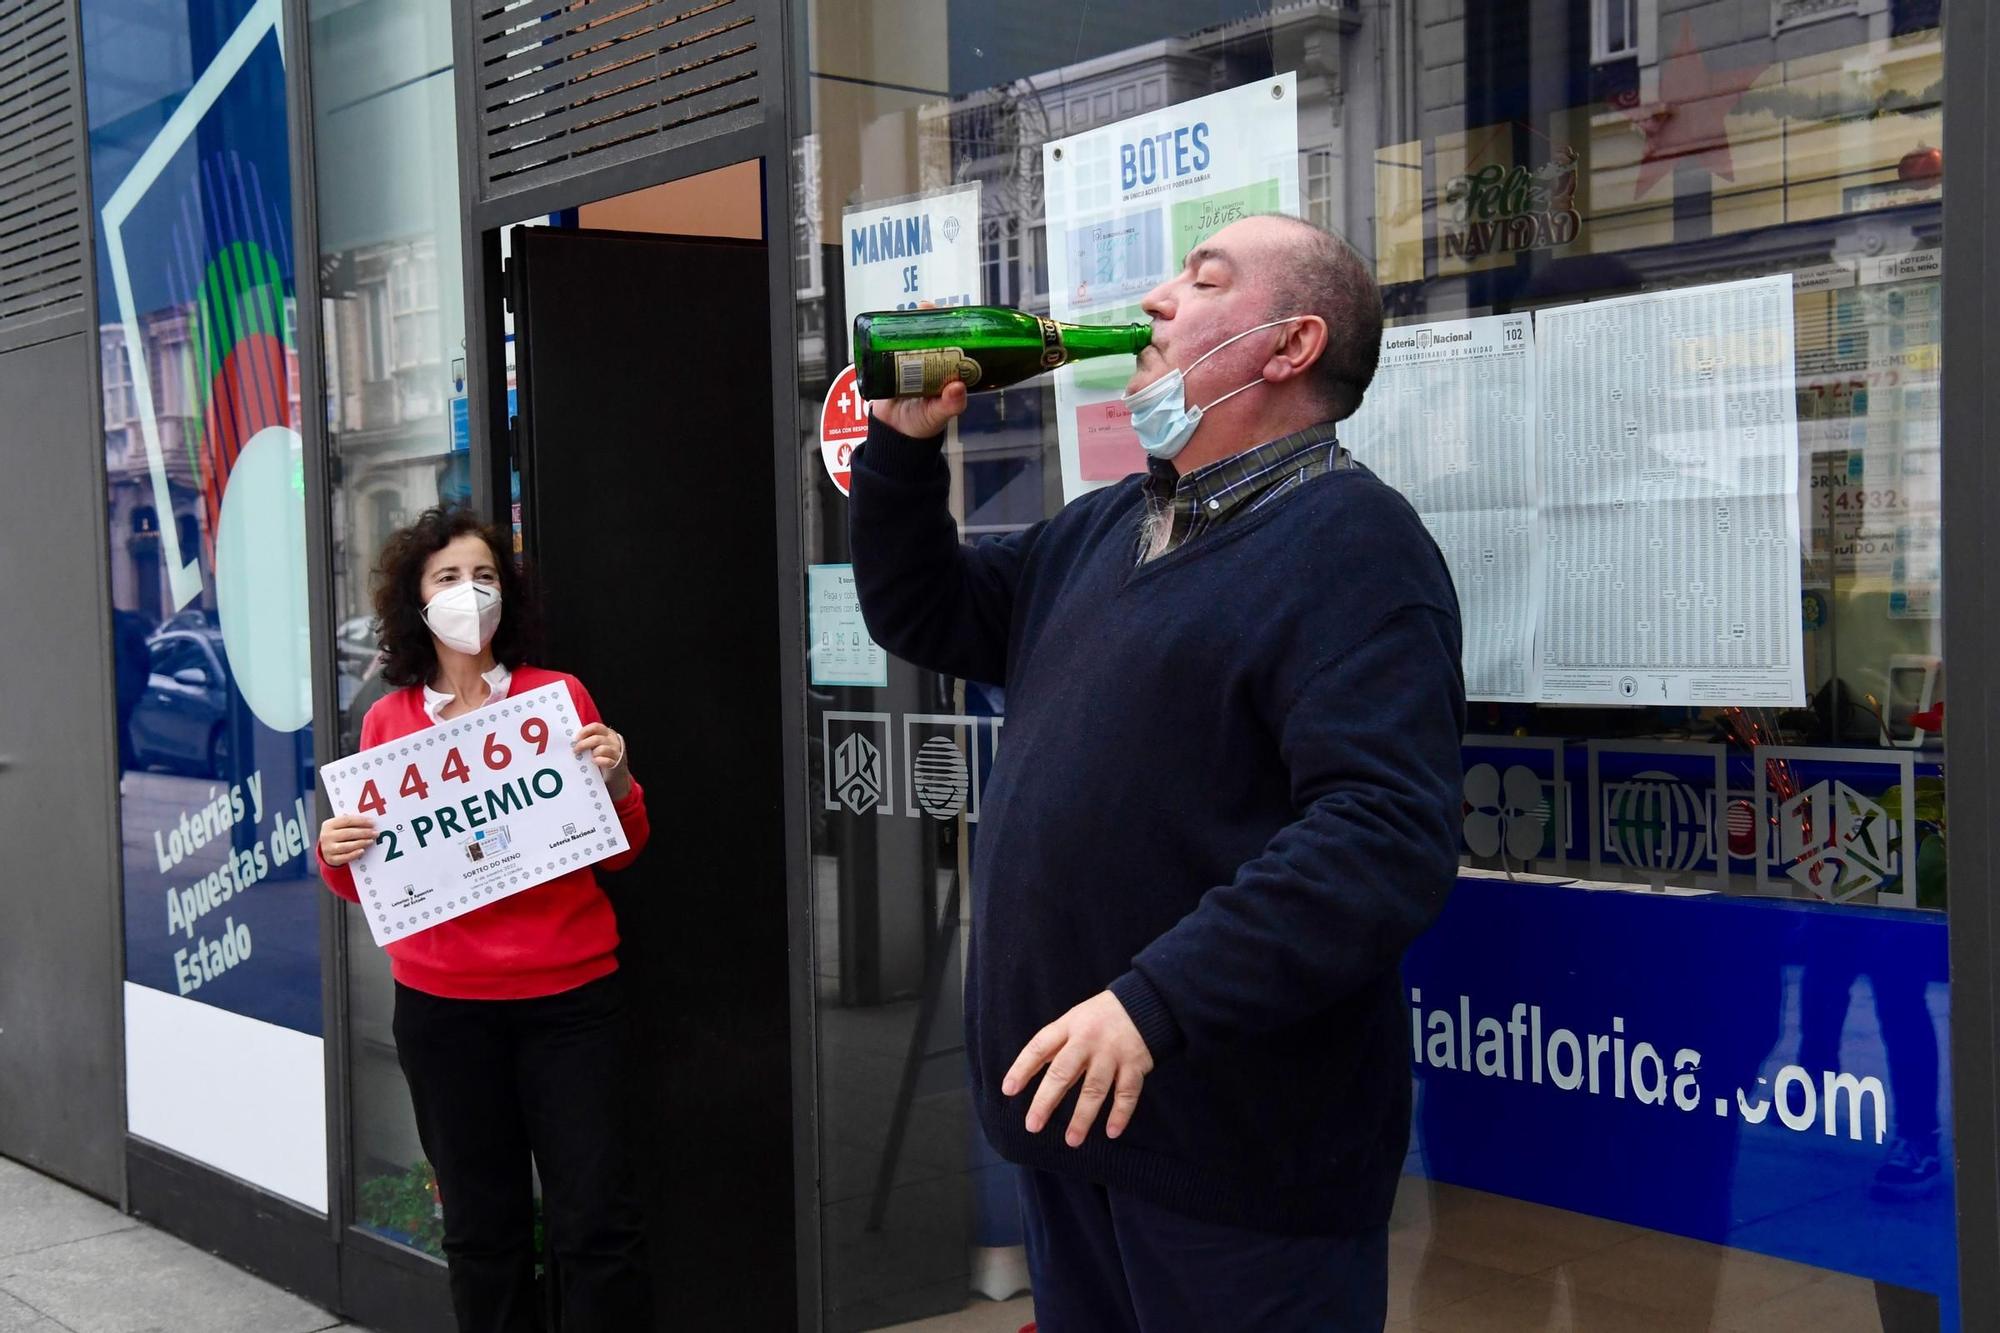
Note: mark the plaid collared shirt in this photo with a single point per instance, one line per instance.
(1209, 497)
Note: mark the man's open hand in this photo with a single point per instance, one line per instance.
(1095, 1044)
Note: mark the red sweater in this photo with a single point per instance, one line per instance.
(541, 941)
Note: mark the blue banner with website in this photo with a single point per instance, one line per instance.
(1757, 1073)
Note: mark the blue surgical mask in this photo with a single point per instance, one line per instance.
(1160, 412)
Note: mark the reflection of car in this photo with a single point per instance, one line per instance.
(181, 721)
(356, 657)
(354, 646)
(193, 618)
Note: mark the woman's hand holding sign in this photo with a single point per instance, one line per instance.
(345, 837)
(606, 749)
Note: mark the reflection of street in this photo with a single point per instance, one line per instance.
(1901, 1015)
(889, 1276)
(157, 801)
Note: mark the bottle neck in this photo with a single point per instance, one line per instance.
(1085, 339)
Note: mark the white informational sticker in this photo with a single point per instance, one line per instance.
(1670, 466)
(1125, 203)
(904, 253)
(1450, 422)
(1903, 267)
(1823, 278)
(474, 810)
(841, 651)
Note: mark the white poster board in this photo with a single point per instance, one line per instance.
(474, 810)
(906, 252)
(1450, 422)
(1125, 203)
(1670, 474)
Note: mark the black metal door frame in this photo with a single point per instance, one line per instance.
(386, 1285)
(768, 140)
(1972, 591)
(84, 1145)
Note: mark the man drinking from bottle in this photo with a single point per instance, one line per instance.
(1227, 804)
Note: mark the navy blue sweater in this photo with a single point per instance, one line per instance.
(1228, 789)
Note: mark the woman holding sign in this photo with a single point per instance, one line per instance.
(509, 1019)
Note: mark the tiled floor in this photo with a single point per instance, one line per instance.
(1459, 1262)
(897, 1242)
(69, 1264)
(1463, 1262)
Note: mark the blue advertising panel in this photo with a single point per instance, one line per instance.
(1755, 1073)
(192, 194)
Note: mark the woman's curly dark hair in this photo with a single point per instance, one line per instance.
(409, 657)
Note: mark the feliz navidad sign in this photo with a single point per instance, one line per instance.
(474, 810)
(1498, 209)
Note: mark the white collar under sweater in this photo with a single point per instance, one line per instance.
(497, 680)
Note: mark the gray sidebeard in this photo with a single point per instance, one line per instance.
(1156, 530)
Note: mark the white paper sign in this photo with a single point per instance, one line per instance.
(1670, 465)
(474, 810)
(841, 650)
(1125, 203)
(901, 254)
(1450, 422)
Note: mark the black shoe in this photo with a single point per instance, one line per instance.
(1912, 1171)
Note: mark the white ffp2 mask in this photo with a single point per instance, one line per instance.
(464, 616)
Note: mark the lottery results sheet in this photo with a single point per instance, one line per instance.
(1670, 498)
(1125, 203)
(473, 810)
(1450, 422)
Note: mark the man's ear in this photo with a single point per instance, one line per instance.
(1303, 345)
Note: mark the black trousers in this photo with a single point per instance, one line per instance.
(496, 1082)
(1103, 1261)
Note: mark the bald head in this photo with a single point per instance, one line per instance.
(1307, 270)
(1275, 325)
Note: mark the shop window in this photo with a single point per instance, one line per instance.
(1320, 185)
(387, 201)
(1614, 30)
(1586, 173)
(1915, 15)
(188, 528)
(120, 405)
(1000, 261)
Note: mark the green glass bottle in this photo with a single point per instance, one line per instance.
(915, 353)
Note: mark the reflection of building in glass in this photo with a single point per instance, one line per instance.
(389, 395)
(993, 134)
(138, 579)
(388, 384)
(138, 572)
(1718, 120)
(1714, 142)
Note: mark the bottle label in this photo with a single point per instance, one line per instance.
(924, 374)
(1053, 352)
